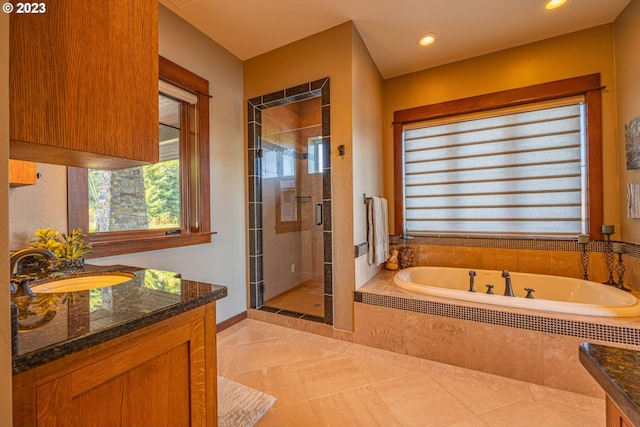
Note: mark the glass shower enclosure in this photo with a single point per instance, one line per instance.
(291, 236)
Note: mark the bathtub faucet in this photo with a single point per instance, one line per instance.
(508, 289)
(472, 274)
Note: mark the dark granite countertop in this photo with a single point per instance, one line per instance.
(54, 325)
(617, 370)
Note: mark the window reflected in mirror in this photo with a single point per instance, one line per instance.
(144, 197)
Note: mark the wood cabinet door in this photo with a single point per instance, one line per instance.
(84, 84)
(21, 173)
(158, 382)
(615, 418)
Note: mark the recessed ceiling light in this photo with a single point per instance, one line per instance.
(426, 39)
(554, 4)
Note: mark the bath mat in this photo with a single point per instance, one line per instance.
(239, 405)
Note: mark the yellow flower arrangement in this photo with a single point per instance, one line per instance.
(61, 244)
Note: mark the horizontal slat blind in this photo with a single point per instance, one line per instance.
(516, 172)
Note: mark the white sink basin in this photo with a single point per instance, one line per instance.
(81, 282)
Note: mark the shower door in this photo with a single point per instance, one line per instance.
(295, 210)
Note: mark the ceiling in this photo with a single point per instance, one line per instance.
(390, 28)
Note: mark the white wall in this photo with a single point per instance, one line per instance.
(38, 206)
(367, 134)
(368, 176)
(221, 262)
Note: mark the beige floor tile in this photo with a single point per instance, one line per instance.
(264, 354)
(469, 422)
(282, 382)
(320, 381)
(524, 414)
(337, 373)
(416, 400)
(580, 409)
(481, 392)
(424, 366)
(250, 331)
(360, 407)
(400, 361)
(298, 415)
(370, 353)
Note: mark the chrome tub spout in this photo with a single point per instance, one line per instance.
(508, 288)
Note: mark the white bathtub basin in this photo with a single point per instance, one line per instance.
(552, 293)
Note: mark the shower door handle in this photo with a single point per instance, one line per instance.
(318, 213)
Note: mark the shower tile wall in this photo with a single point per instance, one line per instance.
(257, 207)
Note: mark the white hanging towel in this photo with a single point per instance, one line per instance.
(377, 230)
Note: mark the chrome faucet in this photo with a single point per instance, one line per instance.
(18, 256)
(508, 289)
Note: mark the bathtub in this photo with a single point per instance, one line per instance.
(552, 293)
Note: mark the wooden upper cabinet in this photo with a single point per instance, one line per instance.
(21, 173)
(84, 84)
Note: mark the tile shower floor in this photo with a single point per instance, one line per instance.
(321, 381)
(307, 298)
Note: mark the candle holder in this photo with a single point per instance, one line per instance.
(609, 258)
(584, 260)
(405, 258)
(620, 269)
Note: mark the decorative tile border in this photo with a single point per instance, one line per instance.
(633, 250)
(572, 328)
(255, 144)
(293, 314)
(361, 249)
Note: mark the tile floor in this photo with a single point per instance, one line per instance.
(321, 381)
(307, 298)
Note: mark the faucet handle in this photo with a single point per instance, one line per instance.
(490, 289)
(20, 286)
(530, 292)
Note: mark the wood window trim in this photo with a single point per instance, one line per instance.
(588, 85)
(118, 243)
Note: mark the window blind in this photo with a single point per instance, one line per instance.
(516, 171)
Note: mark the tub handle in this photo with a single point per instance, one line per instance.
(472, 275)
(530, 292)
(490, 289)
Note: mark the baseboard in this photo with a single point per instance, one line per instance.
(231, 321)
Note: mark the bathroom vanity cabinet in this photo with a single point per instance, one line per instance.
(615, 418)
(617, 370)
(142, 352)
(162, 375)
(84, 83)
